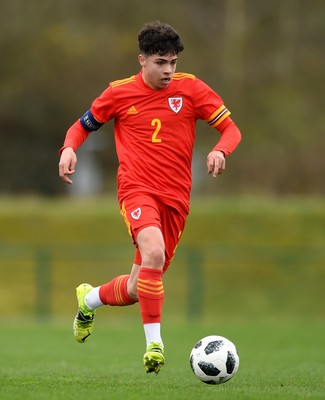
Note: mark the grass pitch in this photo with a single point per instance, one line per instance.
(43, 361)
(251, 270)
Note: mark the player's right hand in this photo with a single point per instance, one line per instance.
(67, 164)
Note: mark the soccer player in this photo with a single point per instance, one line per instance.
(155, 113)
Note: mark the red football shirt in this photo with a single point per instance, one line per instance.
(155, 132)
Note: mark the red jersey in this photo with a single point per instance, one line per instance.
(155, 132)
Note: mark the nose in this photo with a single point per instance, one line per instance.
(168, 69)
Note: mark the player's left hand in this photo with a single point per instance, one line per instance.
(216, 163)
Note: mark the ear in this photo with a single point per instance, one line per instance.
(141, 60)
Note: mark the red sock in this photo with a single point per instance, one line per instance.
(150, 294)
(114, 293)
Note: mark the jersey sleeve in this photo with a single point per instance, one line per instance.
(230, 137)
(209, 105)
(103, 107)
(102, 110)
(75, 137)
(211, 108)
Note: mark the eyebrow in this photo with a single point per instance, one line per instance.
(165, 60)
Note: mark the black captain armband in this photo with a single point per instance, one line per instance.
(89, 122)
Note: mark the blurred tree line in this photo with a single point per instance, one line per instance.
(266, 59)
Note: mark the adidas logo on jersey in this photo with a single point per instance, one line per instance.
(132, 110)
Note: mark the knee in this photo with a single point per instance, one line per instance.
(154, 258)
(133, 293)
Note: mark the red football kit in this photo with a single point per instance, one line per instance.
(154, 136)
(155, 132)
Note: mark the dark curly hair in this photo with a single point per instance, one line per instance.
(159, 38)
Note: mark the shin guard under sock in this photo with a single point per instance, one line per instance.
(150, 294)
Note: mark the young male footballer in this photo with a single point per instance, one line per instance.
(155, 113)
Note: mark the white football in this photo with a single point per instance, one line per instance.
(214, 359)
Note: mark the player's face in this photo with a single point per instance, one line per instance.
(157, 71)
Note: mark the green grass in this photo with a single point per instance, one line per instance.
(277, 361)
(250, 269)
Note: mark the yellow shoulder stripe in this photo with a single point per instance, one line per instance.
(182, 75)
(121, 82)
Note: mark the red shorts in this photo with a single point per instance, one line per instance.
(140, 211)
